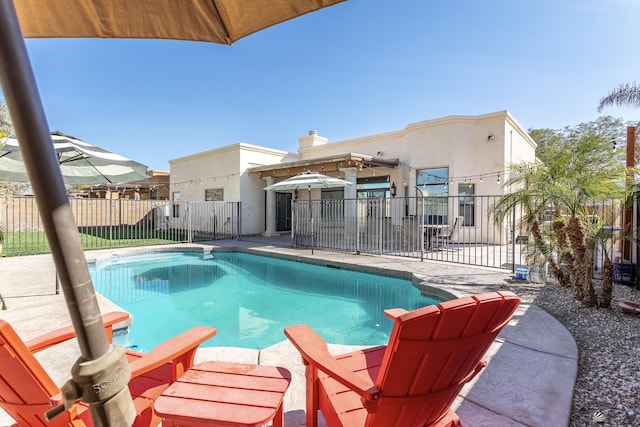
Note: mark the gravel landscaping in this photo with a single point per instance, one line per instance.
(607, 390)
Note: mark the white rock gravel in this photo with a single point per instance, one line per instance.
(608, 342)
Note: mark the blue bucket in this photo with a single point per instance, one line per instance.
(522, 273)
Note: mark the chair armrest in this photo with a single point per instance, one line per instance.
(393, 313)
(314, 352)
(66, 333)
(179, 351)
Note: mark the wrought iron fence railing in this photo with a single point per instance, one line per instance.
(425, 228)
(418, 227)
(112, 223)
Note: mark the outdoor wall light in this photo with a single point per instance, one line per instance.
(393, 189)
(490, 138)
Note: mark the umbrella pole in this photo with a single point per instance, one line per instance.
(103, 383)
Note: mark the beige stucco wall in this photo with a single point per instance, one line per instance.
(225, 168)
(252, 193)
(218, 168)
(460, 143)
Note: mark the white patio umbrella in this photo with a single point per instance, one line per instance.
(308, 180)
(80, 163)
(217, 21)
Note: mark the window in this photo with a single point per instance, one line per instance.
(433, 203)
(433, 182)
(374, 187)
(466, 206)
(214, 195)
(376, 191)
(333, 202)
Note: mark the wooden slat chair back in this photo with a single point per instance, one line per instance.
(450, 235)
(25, 387)
(27, 391)
(434, 352)
(411, 382)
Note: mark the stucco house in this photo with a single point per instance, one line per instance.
(450, 156)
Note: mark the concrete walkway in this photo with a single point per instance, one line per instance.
(528, 382)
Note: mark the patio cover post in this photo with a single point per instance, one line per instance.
(21, 93)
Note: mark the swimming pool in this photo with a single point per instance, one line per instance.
(249, 298)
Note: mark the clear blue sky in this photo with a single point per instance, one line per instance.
(358, 68)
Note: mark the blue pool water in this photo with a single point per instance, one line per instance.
(249, 299)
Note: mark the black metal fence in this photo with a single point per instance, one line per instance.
(449, 229)
(459, 229)
(112, 223)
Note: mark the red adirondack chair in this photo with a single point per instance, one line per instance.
(413, 380)
(27, 391)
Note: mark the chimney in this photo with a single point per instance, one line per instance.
(311, 140)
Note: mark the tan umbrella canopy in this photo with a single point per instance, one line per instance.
(217, 21)
(101, 375)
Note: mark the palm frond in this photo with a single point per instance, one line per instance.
(623, 95)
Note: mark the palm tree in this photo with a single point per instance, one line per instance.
(584, 183)
(559, 227)
(528, 181)
(603, 239)
(624, 94)
(576, 166)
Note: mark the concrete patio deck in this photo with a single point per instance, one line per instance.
(529, 380)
